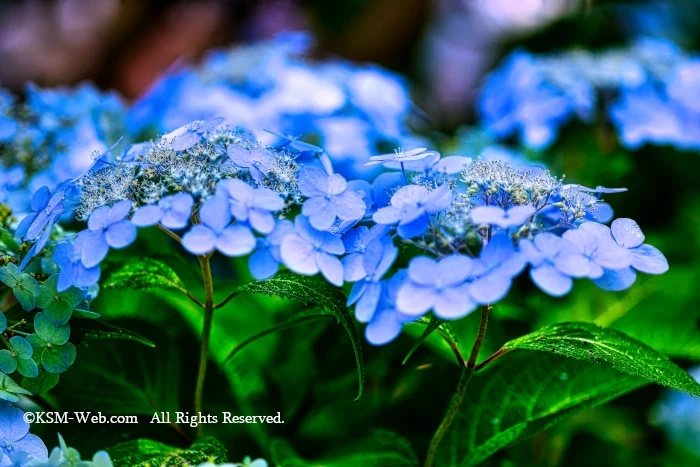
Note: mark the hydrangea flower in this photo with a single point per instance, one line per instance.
(172, 212)
(594, 242)
(357, 243)
(387, 321)
(412, 206)
(497, 265)
(264, 262)
(68, 256)
(217, 232)
(329, 198)
(258, 161)
(554, 261)
(15, 436)
(107, 227)
(438, 285)
(309, 251)
(252, 205)
(365, 294)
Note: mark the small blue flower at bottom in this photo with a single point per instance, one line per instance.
(73, 273)
(217, 232)
(494, 270)
(252, 205)
(15, 436)
(387, 322)
(411, 207)
(309, 251)
(366, 294)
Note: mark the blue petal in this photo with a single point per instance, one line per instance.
(384, 328)
(649, 259)
(121, 234)
(627, 233)
(147, 215)
(550, 280)
(94, 247)
(616, 280)
(199, 240)
(236, 240)
(262, 264)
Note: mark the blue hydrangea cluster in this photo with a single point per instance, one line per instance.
(51, 135)
(649, 90)
(479, 223)
(349, 110)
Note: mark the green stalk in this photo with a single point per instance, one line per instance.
(206, 332)
(458, 397)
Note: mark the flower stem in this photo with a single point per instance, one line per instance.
(461, 389)
(206, 332)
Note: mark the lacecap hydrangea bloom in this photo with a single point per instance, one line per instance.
(649, 91)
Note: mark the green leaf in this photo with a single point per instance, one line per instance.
(313, 291)
(58, 358)
(379, 449)
(145, 273)
(92, 329)
(294, 320)
(148, 453)
(42, 383)
(9, 390)
(50, 333)
(7, 363)
(522, 394)
(7, 242)
(27, 367)
(592, 343)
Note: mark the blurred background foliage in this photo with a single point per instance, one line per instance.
(307, 373)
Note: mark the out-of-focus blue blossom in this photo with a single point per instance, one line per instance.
(310, 251)
(252, 205)
(648, 88)
(264, 262)
(329, 198)
(412, 206)
(217, 232)
(366, 294)
(172, 212)
(15, 436)
(678, 414)
(353, 110)
(62, 455)
(68, 256)
(108, 228)
(438, 285)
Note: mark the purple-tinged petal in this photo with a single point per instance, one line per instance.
(94, 247)
(121, 234)
(262, 221)
(199, 240)
(330, 267)
(236, 240)
(491, 288)
(267, 199)
(313, 181)
(119, 211)
(336, 184)
(99, 219)
(551, 281)
(320, 211)
(349, 206)
(423, 270)
(215, 213)
(649, 259)
(299, 255)
(147, 216)
(415, 300)
(455, 302)
(627, 233)
(611, 256)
